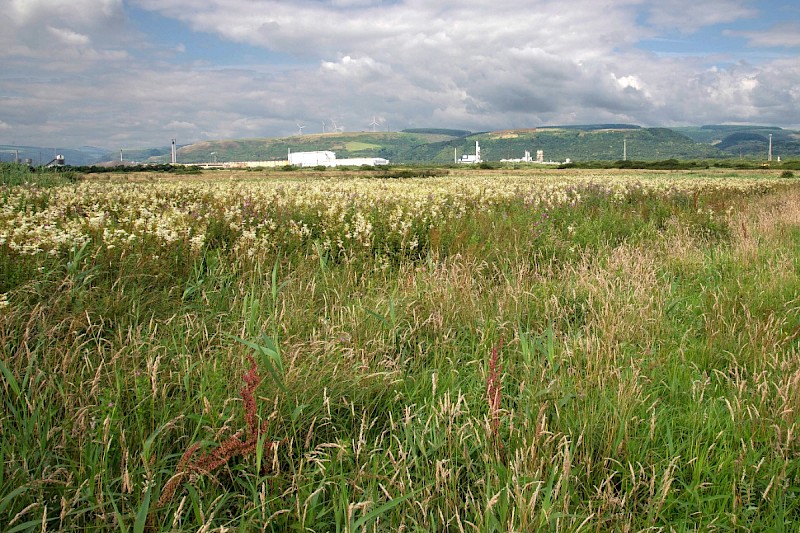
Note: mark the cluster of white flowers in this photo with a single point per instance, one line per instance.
(341, 214)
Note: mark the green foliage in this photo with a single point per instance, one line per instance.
(739, 138)
(144, 167)
(12, 174)
(648, 374)
(438, 131)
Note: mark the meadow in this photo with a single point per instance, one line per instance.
(481, 350)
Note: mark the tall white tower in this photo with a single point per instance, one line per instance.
(769, 156)
(174, 153)
(477, 152)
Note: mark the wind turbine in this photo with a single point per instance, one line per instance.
(300, 128)
(336, 128)
(374, 123)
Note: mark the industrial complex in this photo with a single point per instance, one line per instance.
(328, 159)
(471, 159)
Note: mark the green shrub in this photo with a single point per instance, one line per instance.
(18, 174)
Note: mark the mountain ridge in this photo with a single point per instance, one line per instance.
(579, 143)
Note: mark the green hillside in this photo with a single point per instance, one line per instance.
(746, 141)
(389, 145)
(600, 142)
(578, 144)
(559, 144)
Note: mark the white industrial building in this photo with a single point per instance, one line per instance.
(328, 159)
(241, 164)
(468, 159)
(539, 159)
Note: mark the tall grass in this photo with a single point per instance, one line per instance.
(18, 174)
(605, 366)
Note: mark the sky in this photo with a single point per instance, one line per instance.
(137, 73)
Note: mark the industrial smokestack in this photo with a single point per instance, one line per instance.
(769, 156)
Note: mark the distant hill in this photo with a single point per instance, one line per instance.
(578, 144)
(394, 146)
(137, 155)
(594, 127)
(439, 131)
(746, 141)
(590, 142)
(86, 155)
(585, 143)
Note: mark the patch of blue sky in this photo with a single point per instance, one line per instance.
(726, 40)
(720, 44)
(186, 45)
(768, 18)
(701, 43)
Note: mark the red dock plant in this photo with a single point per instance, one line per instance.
(232, 447)
(494, 392)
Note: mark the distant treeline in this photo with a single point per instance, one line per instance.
(676, 164)
(164, 167)
(17, 174)
(438, 131)
(594, 127)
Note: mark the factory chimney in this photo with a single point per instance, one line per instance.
(769, 156)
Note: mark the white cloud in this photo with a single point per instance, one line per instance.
(53, 32)
(454, 63)
(69, 37)
(355, 67)
(689, 15)
(628, 81)
(83, 12)
(780, 36)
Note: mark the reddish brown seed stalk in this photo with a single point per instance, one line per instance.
(233, 446)
(494, 389)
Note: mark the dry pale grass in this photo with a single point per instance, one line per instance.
(765, 219)
(624, 293)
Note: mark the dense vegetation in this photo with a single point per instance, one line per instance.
(15, 174)
(485, 351)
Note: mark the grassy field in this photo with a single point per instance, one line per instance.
(481, 351)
